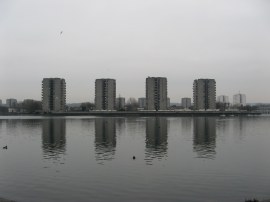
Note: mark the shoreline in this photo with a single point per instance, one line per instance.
(7, 200)
(142, 113)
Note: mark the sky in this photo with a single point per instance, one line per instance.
(129, 40)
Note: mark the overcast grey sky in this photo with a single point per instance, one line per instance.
(128, 40)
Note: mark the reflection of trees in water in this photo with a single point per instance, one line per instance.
(240, 126)
(53, 138)
(85, 123)
(204, 137)
(222, 124)
(23, 123)
(13, 124)
(120, 125)
(156, 138)
(2, 128)
(186, 125)
(15, 127)
(105, 138)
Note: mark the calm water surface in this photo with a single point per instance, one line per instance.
(177, 159)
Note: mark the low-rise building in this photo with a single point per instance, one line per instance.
(263, 108)
(11, 102)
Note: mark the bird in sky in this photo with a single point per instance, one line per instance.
(61, 32)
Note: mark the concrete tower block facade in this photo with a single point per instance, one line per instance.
(204, 94)
(156, 93)
(105, 94)
(53, 95)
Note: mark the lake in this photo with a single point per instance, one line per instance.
(191, 159)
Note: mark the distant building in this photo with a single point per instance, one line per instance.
(204, 94)
(11, 103)
(223, 99)
(156, 93)
(186, 102)
(0, 102)
(168, 102)
(142, 102)
(120, 103)
(105, 94)
(53, 95)
(239, 100)
(13, 110)
(222, 102)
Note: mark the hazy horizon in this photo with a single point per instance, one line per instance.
(81, 41)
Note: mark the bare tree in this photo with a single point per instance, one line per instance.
(87, 106)
(30, 106)
(132, 104)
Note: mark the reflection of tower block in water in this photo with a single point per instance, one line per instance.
(156, 137)
(105, 138)
(204, 138)
(54, 136)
